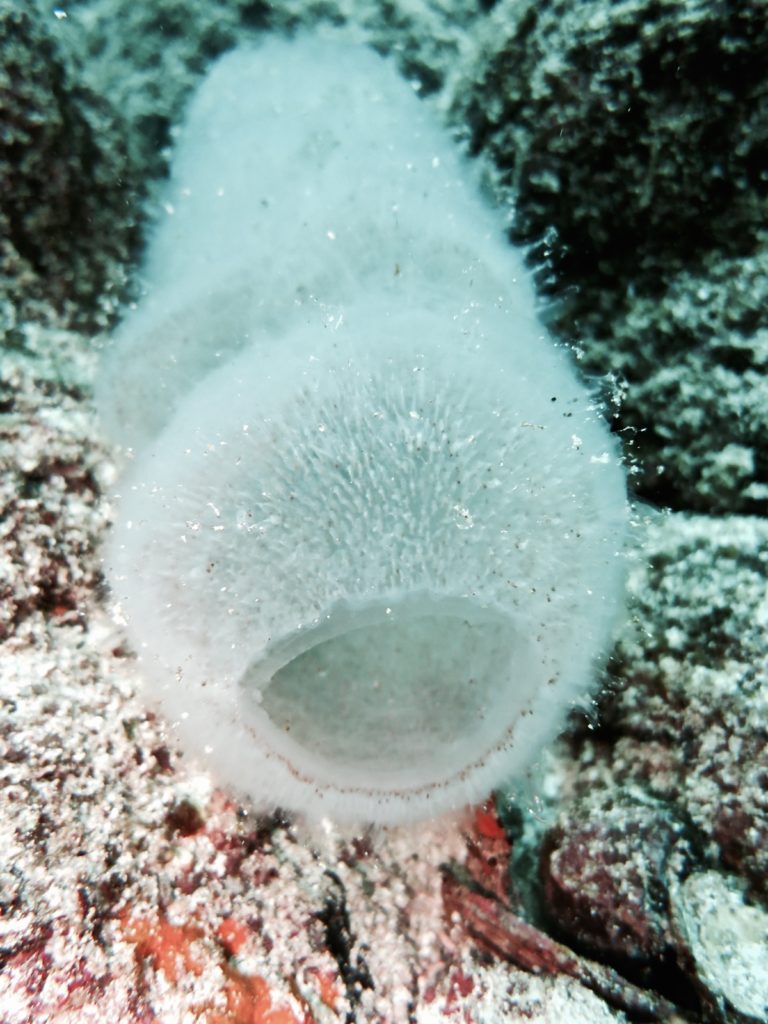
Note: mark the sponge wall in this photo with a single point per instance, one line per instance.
(368, 548)
(302, 180)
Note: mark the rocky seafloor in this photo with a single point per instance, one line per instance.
(626, 145)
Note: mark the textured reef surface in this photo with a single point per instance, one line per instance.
(626, 145)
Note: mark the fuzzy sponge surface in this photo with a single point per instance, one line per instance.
(368, 543)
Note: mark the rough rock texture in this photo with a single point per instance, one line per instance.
(604, 872)
(48, 488)
(637, 130)
(695, 357)
(691, 695)
(723, 935)
(67, 189)
(673, 780)
(629, 142)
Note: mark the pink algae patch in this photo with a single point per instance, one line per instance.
(177, 949)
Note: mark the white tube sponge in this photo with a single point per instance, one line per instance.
(372, 556)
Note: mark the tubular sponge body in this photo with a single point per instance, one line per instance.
(368, 544)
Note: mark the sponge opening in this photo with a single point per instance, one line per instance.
(390, 695)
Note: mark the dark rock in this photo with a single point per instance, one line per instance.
(630, 143)
(686, 717)
(67, 216)
(184, 818)
(604, 872)
(636, 130)
(502, 934)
